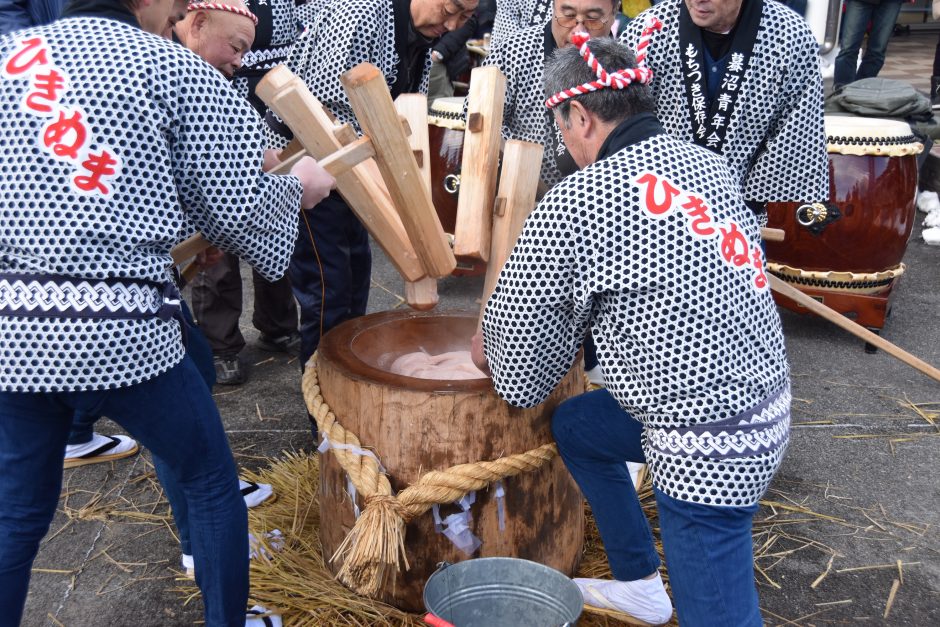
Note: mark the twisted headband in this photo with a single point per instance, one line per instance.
(217, 6)
(612, 80)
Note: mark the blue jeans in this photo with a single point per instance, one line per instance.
(709, 550)
(82, 431)
(854, 23)
(197, 346)
(175, 417)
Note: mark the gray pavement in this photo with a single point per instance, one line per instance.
(111, 559)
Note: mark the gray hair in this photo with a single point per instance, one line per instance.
(566, 69)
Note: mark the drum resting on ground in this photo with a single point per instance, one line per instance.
(847, 250)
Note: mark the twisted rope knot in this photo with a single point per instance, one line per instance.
(619, 79)
(391, 503)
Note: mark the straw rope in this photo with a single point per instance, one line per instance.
(374, 548)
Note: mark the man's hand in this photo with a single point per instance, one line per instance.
(271, 159)
(317, 182)
(477, 355)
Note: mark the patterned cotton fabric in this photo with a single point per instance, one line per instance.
(686, 332)
(184, 150)
(521, 59)
(515, 15)
(344, 34)
(776, 144)
(264, 55)
(306, 12)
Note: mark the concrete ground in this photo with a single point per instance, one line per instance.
(855, 505)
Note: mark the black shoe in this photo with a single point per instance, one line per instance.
(289, 344)
(228, 370)
(935, 92)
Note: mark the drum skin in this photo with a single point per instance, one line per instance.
(875, 196)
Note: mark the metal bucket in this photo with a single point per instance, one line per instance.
(502, 591)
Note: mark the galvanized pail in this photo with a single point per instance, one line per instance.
(502, 591)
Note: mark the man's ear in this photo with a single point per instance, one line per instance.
(579, 117)
(200, 21)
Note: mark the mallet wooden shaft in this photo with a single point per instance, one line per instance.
(372, 103)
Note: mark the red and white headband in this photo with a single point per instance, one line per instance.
(612, 80)
(217, 6)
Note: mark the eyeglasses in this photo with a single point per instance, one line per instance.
(589, 23)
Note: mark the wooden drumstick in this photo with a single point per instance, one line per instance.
(781, 287)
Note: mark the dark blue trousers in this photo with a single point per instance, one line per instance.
(709, 550)
(174, 416)
(330, 270)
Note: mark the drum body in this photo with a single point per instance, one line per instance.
(445, 136)
(853, 242)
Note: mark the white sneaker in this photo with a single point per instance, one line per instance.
(645, 599)
(255, 493)
(259, 617)
(101, 448)
(189, 566)
(637, 473)
(275, 541)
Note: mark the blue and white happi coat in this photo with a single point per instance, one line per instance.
(118, 143)
(653, 250)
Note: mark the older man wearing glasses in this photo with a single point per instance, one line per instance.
(521, 58)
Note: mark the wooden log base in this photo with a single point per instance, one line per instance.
(419, 425)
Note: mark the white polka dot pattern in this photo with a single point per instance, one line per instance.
(184, 139)
(515, 15)
(525, 117)
(778, 121)
(344, 34)
(683, 336)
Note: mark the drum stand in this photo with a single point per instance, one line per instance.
(868, 310)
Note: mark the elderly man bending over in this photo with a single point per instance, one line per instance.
(651, 246)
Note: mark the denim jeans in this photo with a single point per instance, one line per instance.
(709, 551)
(197, 346)
(82, 431)
(174, 416)
(854, 23)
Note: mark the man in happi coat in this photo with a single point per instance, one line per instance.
(652, 248)
(521, 58)
(741, 78)
(217, 290)
(331, 268)
(109, 131)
